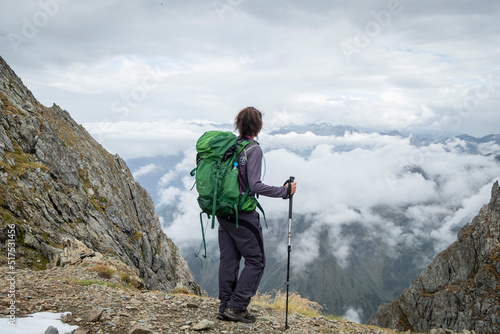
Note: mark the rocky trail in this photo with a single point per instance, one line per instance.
(99, 305)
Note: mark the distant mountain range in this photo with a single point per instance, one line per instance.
(466, 144)
(319, 129)
(420, 137)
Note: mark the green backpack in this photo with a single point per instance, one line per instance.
(217, 177)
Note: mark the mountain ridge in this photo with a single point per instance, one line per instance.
(328, 129)
(460, 289)
(60, 187)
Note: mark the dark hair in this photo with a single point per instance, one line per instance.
(248, 122)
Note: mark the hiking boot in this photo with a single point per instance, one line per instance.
(222, 317)
(250, 316)
(239, 316)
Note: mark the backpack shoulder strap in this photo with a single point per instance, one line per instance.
(242, 145)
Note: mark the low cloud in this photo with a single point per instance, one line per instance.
(149, 139)
(399, 194)
(144, 170)
(354, 315)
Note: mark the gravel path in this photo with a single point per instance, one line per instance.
(99, 308)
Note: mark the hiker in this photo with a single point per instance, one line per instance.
(245, 240)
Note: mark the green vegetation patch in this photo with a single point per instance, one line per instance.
(100, 203)
(9, 107)
(37, 259)
(180, 291)
(8, 218)
(86, 282)
(19, 162)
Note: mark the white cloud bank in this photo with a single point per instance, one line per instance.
(149, 139)
(144, 170)
(372, 180)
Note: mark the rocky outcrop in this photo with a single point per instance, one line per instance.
(461, 288)
(58, 185)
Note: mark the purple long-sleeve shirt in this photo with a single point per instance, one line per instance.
(250, 167)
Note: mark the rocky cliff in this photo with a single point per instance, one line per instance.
(461, 288)
(62, 190)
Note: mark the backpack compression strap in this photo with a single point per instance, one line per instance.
(214, 206)
(203, 243)
(240, 148)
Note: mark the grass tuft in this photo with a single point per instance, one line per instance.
(296, 303)
(138, 235)
(86, 282)
(103, 271)
(180, 291)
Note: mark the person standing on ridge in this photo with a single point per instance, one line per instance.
(245, 240)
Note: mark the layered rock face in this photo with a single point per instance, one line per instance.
(461, 288)
(58, 185)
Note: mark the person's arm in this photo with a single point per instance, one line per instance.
(253, 169)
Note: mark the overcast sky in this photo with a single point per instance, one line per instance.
(370, 64)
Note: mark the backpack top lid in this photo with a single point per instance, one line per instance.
(213, 144)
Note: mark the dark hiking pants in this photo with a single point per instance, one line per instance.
(245, 241)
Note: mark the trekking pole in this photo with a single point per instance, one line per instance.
(291, 180)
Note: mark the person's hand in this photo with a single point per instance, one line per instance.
(294, 187)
